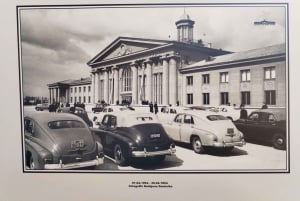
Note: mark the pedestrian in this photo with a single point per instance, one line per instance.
(151, 107)
(155, 108)
(243, 112)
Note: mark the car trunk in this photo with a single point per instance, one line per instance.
(74, 145)
(226, 131)
(153, 136)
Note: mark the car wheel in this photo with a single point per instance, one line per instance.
(118, 155)
(279, 141)
(197, 145)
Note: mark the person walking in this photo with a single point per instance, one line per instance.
(243, 112)
(155, 108)
(151, 107)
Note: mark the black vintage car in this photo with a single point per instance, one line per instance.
(59, 141)
(78, 111)
(267, 126)
(128, 134)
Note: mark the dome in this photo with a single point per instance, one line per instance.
(184, 17)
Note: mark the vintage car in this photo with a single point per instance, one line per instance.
(98, 108)
(203, 130)
(42, 106)
(59, 141)
(128, 134)
(97, 118)
(267, 126)
(227, 111)
(78, 111)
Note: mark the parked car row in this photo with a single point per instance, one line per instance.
(65, 140)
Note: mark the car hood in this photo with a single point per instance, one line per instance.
(68, 141)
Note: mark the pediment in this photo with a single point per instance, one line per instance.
(125, 46)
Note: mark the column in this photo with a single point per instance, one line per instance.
(96, 87)
(106, 91)
(50, 95)
(173, 81)
(58, 94)
(92, 89)
(134, 83)
(120, 84)
(149, 81)
(165, 80)
(116, 85)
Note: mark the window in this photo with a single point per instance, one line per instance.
(270, 97)
(71, 90)
(126, 78)
(189, 98)
(205, 79)
(179, 118)
(61, 124)
(75, 101)
(224, 77)
(270, 73)
(216, 117)
(245, 75)
(71, 99)
(79, 89)
(205, 98)
(84, 89)
(188, 119)
(79, 99)
(89, 88)
(245, 95)
(84, 99)
(189, 80)
(224, 98)
(75, 89)
(89, 99)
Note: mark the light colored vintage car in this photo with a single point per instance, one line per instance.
(204, 129)
(227, 111)
(129, 134)
(59, 141)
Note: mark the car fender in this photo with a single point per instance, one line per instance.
(206, 137)
(38, 152)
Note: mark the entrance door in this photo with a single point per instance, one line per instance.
(126, 99)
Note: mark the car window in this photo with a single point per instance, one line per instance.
(178, 118)
(61, 124)
(113, 122)
(188, 119)
(254, 117)
(105, 120)
(216, 117)
(110, 110)
(105, 110)
(28, 126)
(172, 111)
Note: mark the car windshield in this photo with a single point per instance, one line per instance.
(216, 117)
(65, 124)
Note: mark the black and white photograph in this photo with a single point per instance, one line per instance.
(186, 91)
(149, 99)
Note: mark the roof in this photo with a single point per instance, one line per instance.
(71, 82)
(45, 117)
(264, 52)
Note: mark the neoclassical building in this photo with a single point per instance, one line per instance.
(138, 69)
(184, 72)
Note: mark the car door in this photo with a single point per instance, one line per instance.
(249, 126)
(174, 129)
(266, 127)
(186, 129)
(105, 134)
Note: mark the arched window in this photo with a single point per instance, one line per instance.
(127, 79)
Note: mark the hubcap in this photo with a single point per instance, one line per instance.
(118, 154)
(32, 165)
(279, 141)
(197, 144)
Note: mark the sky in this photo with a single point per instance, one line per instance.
(57, 43)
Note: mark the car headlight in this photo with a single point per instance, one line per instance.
(138, 139)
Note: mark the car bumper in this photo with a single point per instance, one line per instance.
(229, 144)
(145, 153)
(61, 166)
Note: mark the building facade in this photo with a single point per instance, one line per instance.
(184, 72)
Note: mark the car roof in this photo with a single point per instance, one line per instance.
(280, 113)
(45, 117)
(199, 113)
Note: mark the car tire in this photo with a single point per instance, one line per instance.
(279, 141)
(119, 156)
(197, 145)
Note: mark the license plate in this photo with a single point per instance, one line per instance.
(75, 144)
(155, 135)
